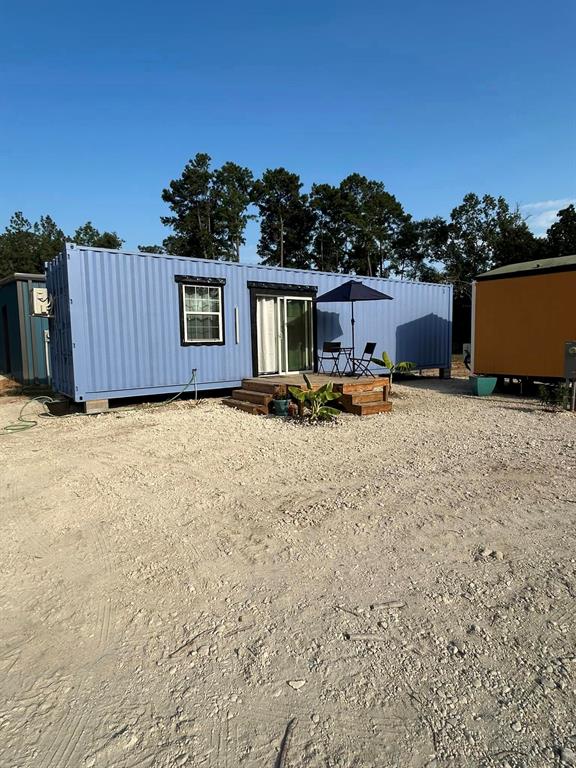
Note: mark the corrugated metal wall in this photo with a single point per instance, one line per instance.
(61, 359)
(116, 331)
(25, 360)
(522, 322)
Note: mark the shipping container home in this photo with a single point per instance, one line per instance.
(522, 315)
(131, 324)
(23, 336)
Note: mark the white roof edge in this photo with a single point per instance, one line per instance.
(245, 266)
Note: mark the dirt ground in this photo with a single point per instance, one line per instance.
(179, 584)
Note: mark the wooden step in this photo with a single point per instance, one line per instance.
(244, 405)
(362, 385)
(368, 409)
(261, 385)
(260, 398)
(358, 398)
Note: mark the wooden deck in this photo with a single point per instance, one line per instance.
(362, 396)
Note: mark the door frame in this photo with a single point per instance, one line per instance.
(280, 290)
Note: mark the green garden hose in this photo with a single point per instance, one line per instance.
(192, 380)
(21, 424)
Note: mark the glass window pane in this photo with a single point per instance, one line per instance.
(203, 327)
(190, 299)
(196, 299)
(202, 308)
(298, 334)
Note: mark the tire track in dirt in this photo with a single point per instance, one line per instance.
(63, 745)
(71, 738)
(103, 623)
(104, 611)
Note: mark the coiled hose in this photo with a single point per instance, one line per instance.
(21, 424)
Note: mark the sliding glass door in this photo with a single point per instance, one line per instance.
(284, 334)
(267, 325)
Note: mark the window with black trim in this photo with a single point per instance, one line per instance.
(202, 314)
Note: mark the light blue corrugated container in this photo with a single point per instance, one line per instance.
(121, 325)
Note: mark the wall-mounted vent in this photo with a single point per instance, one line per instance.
(40, 302)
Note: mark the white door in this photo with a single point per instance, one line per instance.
(267, 332)
(284, 334)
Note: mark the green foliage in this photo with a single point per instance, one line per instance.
(89, 236)
(356, 225)
(484, 233)
(232, 194)
(190, 200)
(418, 248)
(555, 397)
(151, 249)
(373, 218)
(209, 210)
(286, 219)
(561, 236)
(386, 362)
(24, 247)
(315, 400)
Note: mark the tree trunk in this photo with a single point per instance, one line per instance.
(281, 241)
(200, 231)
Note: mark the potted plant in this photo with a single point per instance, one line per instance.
(482, 386)
(315, 400)
(280, 403)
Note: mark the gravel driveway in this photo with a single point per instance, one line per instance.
(180, 583)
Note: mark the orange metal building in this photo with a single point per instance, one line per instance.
(522, 315)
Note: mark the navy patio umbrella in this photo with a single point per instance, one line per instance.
(352, 291)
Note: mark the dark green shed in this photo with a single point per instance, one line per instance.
(24, 339)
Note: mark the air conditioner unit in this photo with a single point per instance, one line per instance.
(40, 302)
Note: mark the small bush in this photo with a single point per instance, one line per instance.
(314, 400)
(554, 397)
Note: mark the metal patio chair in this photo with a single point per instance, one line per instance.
(330, 353)
(360, 364)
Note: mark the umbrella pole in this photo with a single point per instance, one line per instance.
(353, 345)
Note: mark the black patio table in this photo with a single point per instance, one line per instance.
(347, 353)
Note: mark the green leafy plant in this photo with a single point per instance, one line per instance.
(386, 362)
(554, 397)
(315, 400)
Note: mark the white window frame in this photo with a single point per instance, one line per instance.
(220, 314)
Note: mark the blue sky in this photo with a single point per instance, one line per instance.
(101, 104)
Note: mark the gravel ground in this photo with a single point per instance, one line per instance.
(179, 584)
